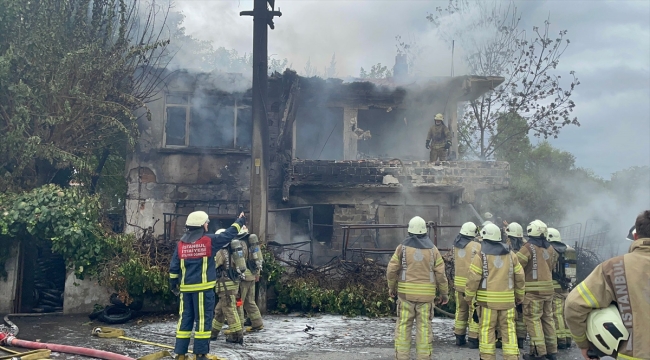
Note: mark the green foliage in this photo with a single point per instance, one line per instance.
(376, 72)
(68, 218)
(308, 296)
(71, 75)
(272, 270)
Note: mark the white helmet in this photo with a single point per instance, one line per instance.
(469, 229)
(197, 218)
(630, 235)
(553, 235)
(219, 231)
(487, 222)
(514, 229)
(417, 226)
(491, 232)
(605, 329)
(536, 228)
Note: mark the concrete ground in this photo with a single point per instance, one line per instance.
(333, 338)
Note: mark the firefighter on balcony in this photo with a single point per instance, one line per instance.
(465, 248)
(515, 240)
(438, 140)
(254, 262)
(192, 276)
(538, 257)
(564, 275)
(497, 281)
(231, 267)
(414, 273)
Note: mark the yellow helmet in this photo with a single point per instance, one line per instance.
(197, 218)
(439, 117)
(417, 226)
(536, 228)
(515, 230)
(469, 229)
(491, 232)
(553, 235)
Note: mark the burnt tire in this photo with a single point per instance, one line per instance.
(115, 315)
(95, 314)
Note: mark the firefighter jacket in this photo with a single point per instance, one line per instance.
(193, 260)
(249, 274)
(416, 270)
(624, 280)
(538, 257)
(464, 250)
(227, 280)
(439, 135)
(495, 277)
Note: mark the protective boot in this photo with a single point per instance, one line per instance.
(180, 357)
(254, 329)
(498, 344)
(520, 343)
(561, 346)
(236, 338)
(247, 322)
(460, 340)
(472, 343)
(534, 357)
(551, 356)
(568, 342)
(201, 357)
(214, 334)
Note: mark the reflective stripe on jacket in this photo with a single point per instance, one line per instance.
(417, 276)
(462, 260)
(496, 281)
(538, 263)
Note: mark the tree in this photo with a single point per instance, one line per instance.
(496, 46)
(330, 71)
(71, 75)
(376, 72)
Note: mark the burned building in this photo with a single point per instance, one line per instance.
(342, 152)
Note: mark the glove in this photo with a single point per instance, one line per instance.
(428, 144)
(475, 317)
(444, 299)
(447, 145)
(174, 286)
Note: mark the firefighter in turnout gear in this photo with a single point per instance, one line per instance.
(537, 257)
(192, 275)
(231, 267)
(515, 240)
(414, 273)
(561, 285)
(438, 140)
(251, 276)
(465, 248)
(622, 280)
(496, 280)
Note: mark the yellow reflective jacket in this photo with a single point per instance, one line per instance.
(625, 280)
(415, 274)
(496, 281)
(462, 260)
(538, 263)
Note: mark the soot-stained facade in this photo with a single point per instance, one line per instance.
(351, 150)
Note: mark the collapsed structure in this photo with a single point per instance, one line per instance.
(342, 152)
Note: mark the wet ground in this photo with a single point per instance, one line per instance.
(333, 337)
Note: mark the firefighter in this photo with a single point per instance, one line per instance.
(438, 140)
(465, 247)
(537, 257)
(192, 275)
(515, 240)
(231, 267)
(496, 280)
(623, 280)
(414, 273)
(253, 258)
(561, 285)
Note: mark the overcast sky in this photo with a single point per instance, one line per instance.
(610, 52)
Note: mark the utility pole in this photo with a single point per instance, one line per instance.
(262, 17)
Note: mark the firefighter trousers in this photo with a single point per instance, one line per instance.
(226, 309)
(464, 311)
(561, 329)
(520, 324)
(420, 314)
(437, 153)
(195, 307)
(538, 314)
(504, 321)
(247, 293)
